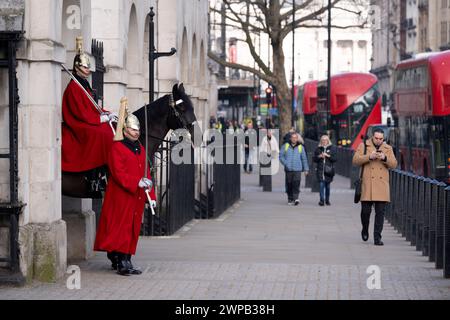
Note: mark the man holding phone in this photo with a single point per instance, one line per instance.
(377, 161)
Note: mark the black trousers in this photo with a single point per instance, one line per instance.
(293, 180)
(247, 165)
(366, 210)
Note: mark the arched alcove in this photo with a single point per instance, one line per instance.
(184, 63)
(194, 78)
(202, 78)
(133, 61)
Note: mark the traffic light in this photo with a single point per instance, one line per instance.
(255, 101)
(269, 95)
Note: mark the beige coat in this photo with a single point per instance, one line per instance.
(375, 182)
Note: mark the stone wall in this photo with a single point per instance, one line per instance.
(49, 230)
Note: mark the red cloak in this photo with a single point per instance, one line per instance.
(123, 207)
(86, 142)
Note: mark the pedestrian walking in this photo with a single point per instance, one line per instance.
(294, 159)
(325, 157)
(249, 148)
(270, 148)
(375, 157)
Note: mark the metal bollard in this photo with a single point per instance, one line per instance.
(420, 213)
(410, 205)
(403, 200)
(433, 220)
(266, 180)
(426, 218)
(415, 204)
(440, 226)
(447, 234)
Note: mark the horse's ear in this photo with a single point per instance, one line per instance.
(175, 89)
(181, 88)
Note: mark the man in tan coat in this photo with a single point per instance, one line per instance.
(377, 161)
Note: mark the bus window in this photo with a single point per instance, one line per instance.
(438, 133)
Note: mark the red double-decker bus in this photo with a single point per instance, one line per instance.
(307, 107)
(422, 112)
(355, 105)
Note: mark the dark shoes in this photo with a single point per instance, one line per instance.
(122, 264)
(296, 202)
(321, 203)
(365, 235)
(112, 256)
(328, 203)
(379, 243)
(131, 268)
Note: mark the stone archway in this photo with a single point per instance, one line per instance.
(77, 213)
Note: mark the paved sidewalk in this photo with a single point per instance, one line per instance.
(262, 249)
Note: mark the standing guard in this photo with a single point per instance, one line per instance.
(123, 207)
(86, 133)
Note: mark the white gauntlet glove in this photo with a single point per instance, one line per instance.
(104, 118)
(113, 117)
(153, 203)
(145, 183)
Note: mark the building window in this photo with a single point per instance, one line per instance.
(444, 33)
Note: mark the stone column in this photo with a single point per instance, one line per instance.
(108, 25)
(42, 237)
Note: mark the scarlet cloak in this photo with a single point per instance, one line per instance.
(123, 207)
(86, 142)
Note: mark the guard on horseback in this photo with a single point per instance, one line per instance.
(129, 187)
(87, 133)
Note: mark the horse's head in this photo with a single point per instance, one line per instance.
(183, 115)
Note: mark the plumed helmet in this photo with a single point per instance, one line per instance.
(126, 120)
(132, 122)
(81, 58)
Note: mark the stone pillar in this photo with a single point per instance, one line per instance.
(81, 228)
(42, 234)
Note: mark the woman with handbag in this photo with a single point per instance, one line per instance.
(325, 157)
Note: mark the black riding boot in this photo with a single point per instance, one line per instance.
(131, 268)
(112, 256)
(122, 265)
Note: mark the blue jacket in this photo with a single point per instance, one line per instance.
(294, 159)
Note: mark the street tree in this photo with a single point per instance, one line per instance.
(274, 18)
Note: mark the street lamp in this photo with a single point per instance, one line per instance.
(329, 67)
(293, 64)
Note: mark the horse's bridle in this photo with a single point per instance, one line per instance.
(173, 105)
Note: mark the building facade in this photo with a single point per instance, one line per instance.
(407, 28)
(50, 29)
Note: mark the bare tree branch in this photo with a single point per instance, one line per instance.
(266, 77)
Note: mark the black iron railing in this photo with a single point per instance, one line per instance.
(420, 212)
(221, 181)
(174, 186)
(11, 208)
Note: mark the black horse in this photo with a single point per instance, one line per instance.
(171, 112)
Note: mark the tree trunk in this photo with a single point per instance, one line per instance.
(284, 97)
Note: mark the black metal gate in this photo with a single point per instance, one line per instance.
(11, 208)
(222, 181)
(175, 185)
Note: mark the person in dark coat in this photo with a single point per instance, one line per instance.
(325, 157)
